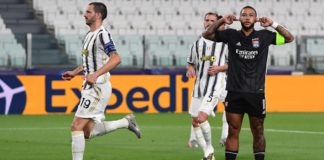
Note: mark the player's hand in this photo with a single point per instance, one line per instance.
(191, 73)
(213, 70)
(265, 21)
(91, 78)
(228, 19)
(68, 75)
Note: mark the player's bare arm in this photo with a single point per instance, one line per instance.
(113, 62)
(191, 72)
(284, 32)
(216, 69)
(266, 22)
(210, 31)
(68, 75)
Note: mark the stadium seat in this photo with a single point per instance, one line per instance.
(160, 18)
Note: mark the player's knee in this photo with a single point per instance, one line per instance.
(202, 120)
(75, 127)
(203, 117)
(195, 122)
(234, 129)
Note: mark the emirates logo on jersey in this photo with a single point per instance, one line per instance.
(246, 54)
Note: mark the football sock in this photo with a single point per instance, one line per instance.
(230, 155)
(205, 127)
(224, 127)
(108, 126)
(259, 155)
(200, 139)
(78, 145)
(192, 134)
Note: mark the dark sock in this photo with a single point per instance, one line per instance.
(259, 155)
(230, 155)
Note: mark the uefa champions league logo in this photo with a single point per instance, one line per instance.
(12, 95)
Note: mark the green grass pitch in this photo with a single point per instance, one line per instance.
(290, 136)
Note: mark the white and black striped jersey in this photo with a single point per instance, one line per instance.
(97, 47)
(205, 53)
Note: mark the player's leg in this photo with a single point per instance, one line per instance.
(224, 133)
(232, 142)
(101, 127)
(206, 130)
(78, 139)
(207, 108)
(192, 138)
(194, 110)
(224, 130)
(234, 115)
(259, 142)
(257, 113)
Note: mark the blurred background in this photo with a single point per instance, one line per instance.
(152, 36)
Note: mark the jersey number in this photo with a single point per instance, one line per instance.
(210, 99)
(85, 103)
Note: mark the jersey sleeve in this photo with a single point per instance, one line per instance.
(191, 59)
(223, 36)
(270, 37)
(107, 43)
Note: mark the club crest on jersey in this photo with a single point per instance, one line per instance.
(255, 43)
(85, 52)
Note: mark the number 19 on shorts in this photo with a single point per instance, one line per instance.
(85, 103)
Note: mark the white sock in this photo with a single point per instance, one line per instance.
(78, 145)
(192, 134)
(224, 127)
(206, 130)
(108, 126)
(200, 139)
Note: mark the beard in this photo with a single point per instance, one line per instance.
(89, 21)
(247, 28)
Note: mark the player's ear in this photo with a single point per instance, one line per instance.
(257, 19)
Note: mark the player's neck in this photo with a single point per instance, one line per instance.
(247, 32)
(95, 26)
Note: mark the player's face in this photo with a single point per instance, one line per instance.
(209, 20)
(90, 15)
(247, 18)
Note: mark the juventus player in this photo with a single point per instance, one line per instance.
(99, 56)
(207, 63)
(248, 52)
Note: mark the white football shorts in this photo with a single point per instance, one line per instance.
(206, 104)
(93, 102)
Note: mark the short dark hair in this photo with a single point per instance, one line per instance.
(250, 7)
(100, 8)
(211, 13)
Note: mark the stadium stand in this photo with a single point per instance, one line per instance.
(163, 30)
(12, 53)
(19, 16)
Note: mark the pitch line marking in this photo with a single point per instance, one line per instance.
(156, 127)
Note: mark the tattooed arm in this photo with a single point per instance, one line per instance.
(210, 31)
(266, 22)
(284, 32)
